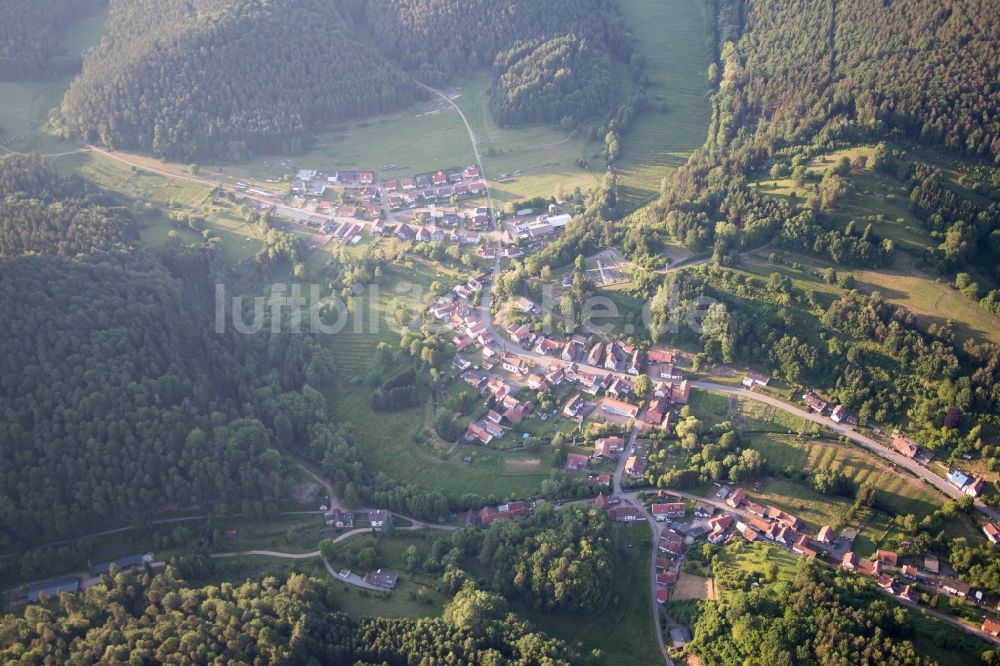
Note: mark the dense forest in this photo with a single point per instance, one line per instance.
(213, 78)
(561, 80)
(118, 398)
(31, 36)
(438, 39)
(822, 617)
(160, 619)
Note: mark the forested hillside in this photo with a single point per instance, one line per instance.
(118, 398)
(160, 619)
(440, 38)
(31, 35)
(226, 79)
(821, 618)
(561, 80)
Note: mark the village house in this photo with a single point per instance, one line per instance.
(594, 356)
(825, 534)
(383, 578)
(886, 557)
(992, 533)
(802, 547)
(752, 379)
(671, 542)
(869, 568)
(905, 446)
(515, 365)
(603, 501)
(703, 509)
(620, 387)
(887, 582)
(656, 411)
(991, 627)
(494, 429)
(736, 498)
(536, 382)
(814, 402)
(758, 510)
(547, 346)
(635, 466)
(339, 519)
(595, 480)
(662, 512)
(635, 363)
(626, 514)
(519, 333)
(849, 562)
(958, 478)
(841, 415)
(377, 518)
(525, 305)
(490, 514)
(910, 572)
(576, 461)
(747, 532)
(910, 593)
(609, 447)
(477, 432)
(774, 513)
(718, 527)
(931, 564)
(681, 393)
(573, 406)
(619, 407)
(955, 588)
(975, 488)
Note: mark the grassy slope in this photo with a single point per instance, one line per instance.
(673, 36)
(546, 157)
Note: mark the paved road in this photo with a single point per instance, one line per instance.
(632, 500)
(861, 440)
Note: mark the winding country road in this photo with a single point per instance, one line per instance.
(861, 440)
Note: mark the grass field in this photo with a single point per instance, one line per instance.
(238, 239)
(86, 33)
(430, 135)
(690, 586)
(673, 36)
(623, 628)
(895, 492)
(24, 113)
(541, 159)
(929, 299)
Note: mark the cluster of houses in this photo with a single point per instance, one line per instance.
(838, 414)
(340, 519)
(427, 188)
(970, 485)
(310, 181)
(509, 511)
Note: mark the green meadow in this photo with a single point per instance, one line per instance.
(673, 36)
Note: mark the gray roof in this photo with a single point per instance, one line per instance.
(51, 588)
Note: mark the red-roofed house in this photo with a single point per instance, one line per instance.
(671, 510)
(905, 446)
(576, 461)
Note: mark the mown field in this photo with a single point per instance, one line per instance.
(674, 38)
(541, 160)
(930, 299)
(897, 493)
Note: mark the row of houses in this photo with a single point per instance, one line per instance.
(414, 198)
(433, 179)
